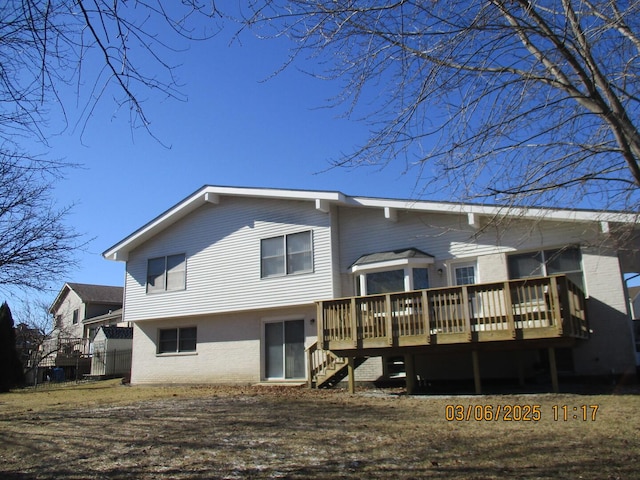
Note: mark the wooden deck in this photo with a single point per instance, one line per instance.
(535, 308)
(542, 311)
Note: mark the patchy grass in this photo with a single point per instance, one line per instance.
(106, 430)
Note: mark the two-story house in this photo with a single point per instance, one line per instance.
(78, 311)
(232, 285)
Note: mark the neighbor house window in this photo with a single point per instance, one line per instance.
(172, 340)
(75, 316)
(542, 263)
(166, 273)
(286, 254)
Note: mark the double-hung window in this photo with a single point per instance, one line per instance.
(286, 254)
(173, 340)
(166, 273)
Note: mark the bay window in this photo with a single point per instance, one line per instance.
(397, 271)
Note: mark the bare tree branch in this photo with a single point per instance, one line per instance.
(467, 90)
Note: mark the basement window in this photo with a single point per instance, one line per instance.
(173, 340)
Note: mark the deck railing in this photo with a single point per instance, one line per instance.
(543, 307)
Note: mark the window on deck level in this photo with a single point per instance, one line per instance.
(465, 275)
(385, 282)
(566, 261)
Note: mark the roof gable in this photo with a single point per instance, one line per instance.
(89, 293)
(325, 199)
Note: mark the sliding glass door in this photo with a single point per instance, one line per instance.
(284, 349)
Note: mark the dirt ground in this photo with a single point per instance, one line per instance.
(107, 430)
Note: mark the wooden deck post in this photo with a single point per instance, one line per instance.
(410, 373)
(553, 370)
(476, 372)
(351, 369)
(310, 366)
(320, 324)
(354, 322)
(388, 319)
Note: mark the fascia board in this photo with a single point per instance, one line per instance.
(499, 211)
(284, 194)
(120, 250)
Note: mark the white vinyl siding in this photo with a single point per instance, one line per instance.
(223, 246)
(449, 238)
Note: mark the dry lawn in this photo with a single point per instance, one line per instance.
(106, 430)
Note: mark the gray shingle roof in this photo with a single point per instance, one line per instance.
(402, 254)
(98, 293)
(113, 316)
(118, 332)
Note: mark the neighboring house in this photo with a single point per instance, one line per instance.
(111, 354)
(28, 341)
(76, 311)
(232, 285)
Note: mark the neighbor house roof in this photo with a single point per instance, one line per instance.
(323, 201)
(88, 293)
(115, 315)
(118, 332)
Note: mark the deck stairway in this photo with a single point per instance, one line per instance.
(326, 369)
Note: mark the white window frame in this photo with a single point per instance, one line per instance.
(286, 254)
(406, 265)
(166, 273)
(544, 262)
(455, 266)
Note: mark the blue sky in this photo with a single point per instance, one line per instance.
(238, 128)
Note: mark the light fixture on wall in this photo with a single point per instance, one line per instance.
(440, 271)
(312, 321)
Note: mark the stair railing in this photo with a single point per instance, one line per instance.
(318, 362)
